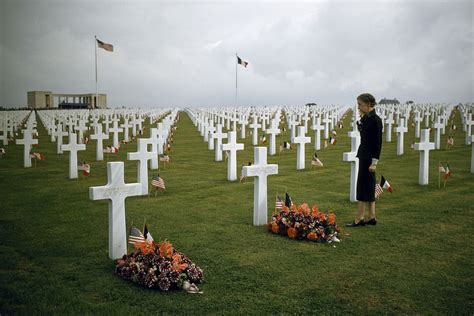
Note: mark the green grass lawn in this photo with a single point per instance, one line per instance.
(417, 260)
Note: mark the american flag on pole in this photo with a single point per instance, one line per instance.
(135, 236)
(158, 182)
(108, 47)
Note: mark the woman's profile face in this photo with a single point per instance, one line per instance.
(364, 108)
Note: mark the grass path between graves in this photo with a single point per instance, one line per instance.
(417, 260)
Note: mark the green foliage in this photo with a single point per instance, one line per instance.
(417, 260)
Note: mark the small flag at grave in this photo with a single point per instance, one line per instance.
(278, 203)
(147, 234)
(378, 190)
(450, 141)
(36, 155)
(263, 141)
(242, 62)
(447, 173)
(332, 140)
(441, 169)
(288, 201)
(2, 152)
(85, 167)
(164, 158)
(158, 182)
(135, 236)
(111, 150)
(86, 140)
(108, 47)
(315, 161)
(334, 133)
(384, 184)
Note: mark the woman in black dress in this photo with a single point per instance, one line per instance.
(370, 128)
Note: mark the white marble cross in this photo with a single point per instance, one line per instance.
(126, 127)
(351, 157)
(243, 123)
(317, 127)
(142, 155)
(261, 170)
(417, 120)
(232, 146)
(211, 129)
(401, 130)
(468, 125)
(438, 126)
(472, 153)
(255, 126)
(99, 136)
(81, 128)
(73, 147)
(115, 130)
(218, 136)
(27, 142)
(301, 140)
(292, 123)
(273, 131)
(388, 131)
(424, 146)
(59, 134)
(116, 191)
(157, 141)
(326, 122)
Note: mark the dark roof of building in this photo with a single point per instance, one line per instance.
(389, 101)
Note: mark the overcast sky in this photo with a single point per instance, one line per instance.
(178, 53)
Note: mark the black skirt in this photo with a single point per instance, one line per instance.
(365, 182)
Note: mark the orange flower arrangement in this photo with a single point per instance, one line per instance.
(304, 222)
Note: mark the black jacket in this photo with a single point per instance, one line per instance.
(370, 128)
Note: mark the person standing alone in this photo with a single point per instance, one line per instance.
(370, 128)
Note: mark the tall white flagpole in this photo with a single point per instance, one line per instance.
(236, 62)
(96, 87)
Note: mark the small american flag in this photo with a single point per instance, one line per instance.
(378, 190)
(135, 236)
(158, 182)
(2, 151)
(278, 203)
(85, 167)
(36, 155)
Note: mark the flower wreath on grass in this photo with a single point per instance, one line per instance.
(160, 266)
(303, 222)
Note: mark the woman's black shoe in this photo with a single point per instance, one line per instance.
(354, 224)
(371, 221)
